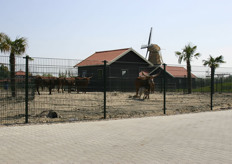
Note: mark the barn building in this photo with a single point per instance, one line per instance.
(123, 66)
(176, 77)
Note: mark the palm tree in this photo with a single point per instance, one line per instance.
(16, 47)
(187, 54)
(213, 62)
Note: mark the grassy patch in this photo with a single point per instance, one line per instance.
(224, 87)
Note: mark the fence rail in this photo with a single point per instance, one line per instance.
(53, 90)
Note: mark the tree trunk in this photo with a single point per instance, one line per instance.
(12, 74)
(212, 79)
(189, 77)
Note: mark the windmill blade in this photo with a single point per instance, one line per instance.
(146, 54)
(144, 46)
(161, 58)
(149, 40)
(148, 44)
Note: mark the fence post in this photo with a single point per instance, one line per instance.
(161, 85)
(186, 84)
(212, 87)
(26, 90)
(221, 83)
(104, 74)
(164, 86)
(202, 85)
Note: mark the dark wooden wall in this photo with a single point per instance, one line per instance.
(130, 62)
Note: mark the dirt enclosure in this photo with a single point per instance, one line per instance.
(89, 106)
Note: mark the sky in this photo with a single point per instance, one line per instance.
(75, 29)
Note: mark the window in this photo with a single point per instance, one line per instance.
(84, 73)
(99, 73)
(124, 73)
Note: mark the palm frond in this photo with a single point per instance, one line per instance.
(4, 47)
(1, 37)
(178, 53)
(180, 59)
(5, 43)
(19, 46)
(188, 52)
(205, 62)
(213, 62)
(197, 55)
(219, 59)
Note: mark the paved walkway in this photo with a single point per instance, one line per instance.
(188, 138)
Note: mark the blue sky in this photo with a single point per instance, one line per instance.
(76, 29)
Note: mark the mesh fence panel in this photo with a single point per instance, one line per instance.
(61, 105)
(66, 103)
(178, 99)
(58, 91)
(12, 96)
(122, 99)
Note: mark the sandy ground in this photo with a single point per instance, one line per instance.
(89, 106)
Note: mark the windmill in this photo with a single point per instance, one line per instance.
(154, 51)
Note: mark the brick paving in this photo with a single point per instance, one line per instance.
(188, 138)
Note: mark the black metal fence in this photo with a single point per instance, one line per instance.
(110, 92)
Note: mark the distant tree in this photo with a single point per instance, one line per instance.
(66, 73)
(187, 54)
(16, 47)
(4, 72)
(47, 75)
(70, 73)
(62, 74)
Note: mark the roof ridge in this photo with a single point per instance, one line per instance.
(85, 59)
(113, 50)
(175, 66)
(89, 58)
(110, 55)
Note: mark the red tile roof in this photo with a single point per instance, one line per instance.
(98, 57)
(20, 73)
(177, 71)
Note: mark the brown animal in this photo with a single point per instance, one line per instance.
(60, 82)
(38, 83)
(82, 83)
(49, 82)
(152, 90)
(146, 94)
(144, 91)
(146, 81)
(69, 82)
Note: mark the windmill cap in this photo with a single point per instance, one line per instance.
(154, 47)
